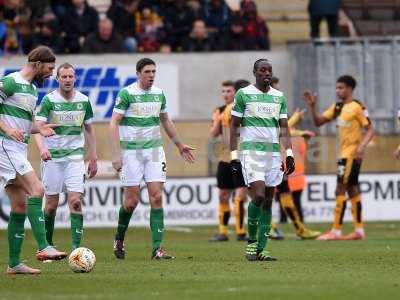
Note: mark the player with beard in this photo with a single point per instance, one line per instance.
(18, 98)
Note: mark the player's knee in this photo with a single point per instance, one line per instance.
(340, 189)
(353, 190)
(156, 199)
(259, 198)
(19, 207)
(130, 202)
(224, 196)
(75, 204)
(130, 206)
(37, 190)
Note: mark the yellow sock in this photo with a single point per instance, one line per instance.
(224, 215)
(291, 211)
(339, 212)
(356, 211)
(239, 216)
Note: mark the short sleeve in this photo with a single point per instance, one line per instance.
(283, 111)
(7, 86)
(44, 110)
(122, 102)
(330, 112)
(163, 104)
(89, 113)
(239, 105)
(362, 116)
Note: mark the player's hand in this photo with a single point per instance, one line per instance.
(15, 134)
(300, 112)
(92, 168)
(360, 152)
(186, 152)
(397, 153)
(290, 165)
(237, 172)
(45, 154)
(310, 98)
(47, 130)
(308, 134)
(117, 164)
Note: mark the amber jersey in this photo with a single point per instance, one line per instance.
(351, 118)
(222, 147)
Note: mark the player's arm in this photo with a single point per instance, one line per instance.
(5, 92)
(42, 148)
(116, 156)
(365, 122)
(216, 128)
(170, 129)
(311, 100)
(90, 137)
(397, 152)
(92, 149)
(284, 136)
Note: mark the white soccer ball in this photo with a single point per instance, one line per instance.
(82, 260)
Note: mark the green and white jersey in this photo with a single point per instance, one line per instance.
(140, 125)
(18, 99)
(68, 142)
(260, 113)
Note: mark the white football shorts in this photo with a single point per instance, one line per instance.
(145, 164)
(63, 176)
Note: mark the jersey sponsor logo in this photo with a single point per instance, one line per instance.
(276, 99)
(100, 84)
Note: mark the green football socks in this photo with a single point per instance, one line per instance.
(264, 227)
(15, 237)
(36, 218)
(49, 226)
(157, 227)
(76, 229)
(253, 216)
(123, 222)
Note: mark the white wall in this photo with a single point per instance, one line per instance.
(199, 75)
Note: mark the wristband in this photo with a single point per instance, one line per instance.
(289, 152)
(234, 155)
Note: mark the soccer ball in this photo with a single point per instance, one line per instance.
(82, 260)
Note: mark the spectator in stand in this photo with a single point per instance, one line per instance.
(196, 8)
(60, 7)
(14, 11)
(217, 16)
(199, 39)
(105, 40)
(148, 30)
(123, 15)
(38, 7)
(49, 34)
(324, 9)
(255, 29)
(79, 21)
(26, 36)
(178, 21)
(234, 39)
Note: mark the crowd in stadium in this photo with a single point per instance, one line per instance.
(130, 26)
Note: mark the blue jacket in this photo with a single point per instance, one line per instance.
(324, 7)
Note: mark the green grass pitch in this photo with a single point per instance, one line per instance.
(368, 269)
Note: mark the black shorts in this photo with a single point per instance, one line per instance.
(225, 179)
(348, 170)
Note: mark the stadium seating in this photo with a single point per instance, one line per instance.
(374, 17)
